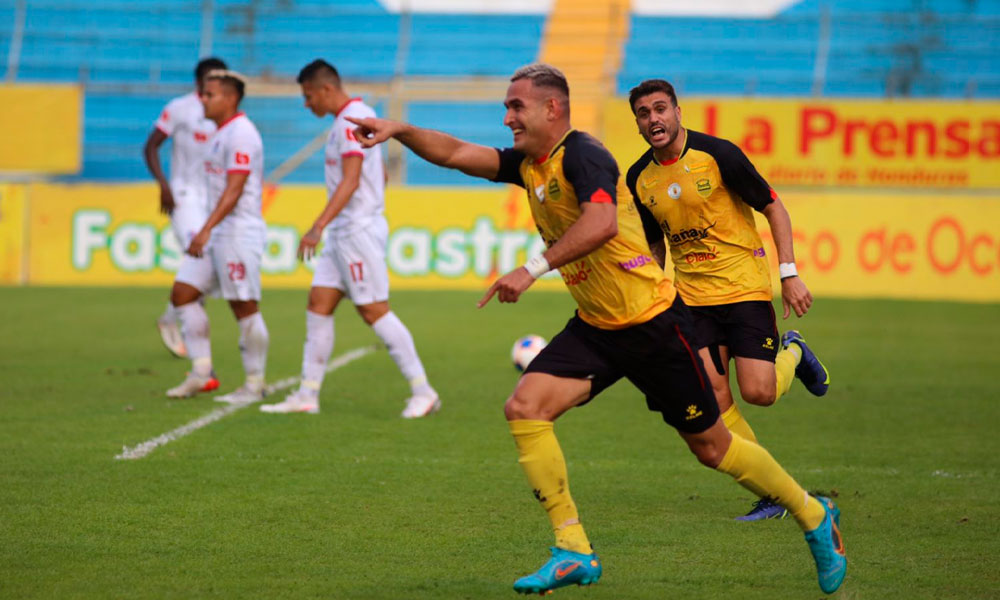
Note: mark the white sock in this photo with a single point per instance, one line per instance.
(194, 329)
(253, 347)
(169, 315)
(316, 351)
(398, 340)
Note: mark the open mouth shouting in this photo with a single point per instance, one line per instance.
(658, 134)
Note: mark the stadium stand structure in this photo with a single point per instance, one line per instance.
(132, 57)
(872, 48)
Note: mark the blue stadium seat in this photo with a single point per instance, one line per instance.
(445, 45)
(478, 122)
(944, 48)
(876, 47)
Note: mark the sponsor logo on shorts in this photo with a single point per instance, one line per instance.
(636, 262)
(692, 413)
(576, 273)
(768, 343)
(759, 252)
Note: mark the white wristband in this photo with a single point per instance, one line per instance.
(537, 266)
(786, 270)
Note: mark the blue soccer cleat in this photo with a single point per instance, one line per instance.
(810, 371)
(564, 568)
(765, 508)
(827, 548)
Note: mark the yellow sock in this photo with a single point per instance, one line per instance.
(734, 422)
(784, 367)
(543, 463)
(754, 468)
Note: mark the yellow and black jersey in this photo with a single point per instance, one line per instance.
(702, 201)
(618, 284)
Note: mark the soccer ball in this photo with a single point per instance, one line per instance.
(525, 350)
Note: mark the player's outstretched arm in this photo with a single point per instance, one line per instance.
(794, 293)
(151, 152)
(433, 146)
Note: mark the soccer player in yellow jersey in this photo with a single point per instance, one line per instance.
(630, 322)
(702, 190)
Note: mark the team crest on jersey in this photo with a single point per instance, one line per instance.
(704, 187)
(553, 190)
(540, 193)
(674, 190)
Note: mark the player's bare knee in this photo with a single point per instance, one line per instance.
(321, 301)
(519, 406)
(758, 395)
(708, 454)
(709, 446)
(182, 293)
(371, 313)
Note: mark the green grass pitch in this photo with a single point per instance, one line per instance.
(358, 503)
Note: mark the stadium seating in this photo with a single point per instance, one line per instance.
(133, 56)
(876, 48)
(478, 122)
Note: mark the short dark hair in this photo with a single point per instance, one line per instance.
(651, 86)
(232, 79)
(208, 64)
(543, 75)
(319, 68)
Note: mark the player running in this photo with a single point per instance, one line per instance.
(231, 240)
(353, 259)
(183, 196)
(700, 189)
(630, 322)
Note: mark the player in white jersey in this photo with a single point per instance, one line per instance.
(183, 196)
(352, 263)
(231, 240)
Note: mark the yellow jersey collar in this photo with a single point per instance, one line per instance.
(542, 159)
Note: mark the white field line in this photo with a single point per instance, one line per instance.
(149, 445)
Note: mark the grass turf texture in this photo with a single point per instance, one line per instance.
(358, 503)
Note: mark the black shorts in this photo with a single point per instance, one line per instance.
(748, 328)
(659, 357)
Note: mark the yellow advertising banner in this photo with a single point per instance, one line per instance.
(12, 233)
(42, 128)
(847, 244)
(865, 245)
(845, 143)
(440, 238)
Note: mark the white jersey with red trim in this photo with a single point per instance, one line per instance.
(183, 121)
(237, 147)
(368, 201)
